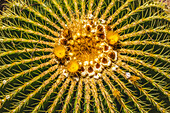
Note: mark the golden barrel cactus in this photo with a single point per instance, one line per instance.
(82, 56)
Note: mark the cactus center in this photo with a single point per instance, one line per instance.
(86, 48)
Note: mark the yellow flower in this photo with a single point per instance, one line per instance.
(59, 51)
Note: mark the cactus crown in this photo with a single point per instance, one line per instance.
(84, 56)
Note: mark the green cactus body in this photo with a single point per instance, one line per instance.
(82, 56)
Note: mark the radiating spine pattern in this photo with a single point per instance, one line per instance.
(85, 56)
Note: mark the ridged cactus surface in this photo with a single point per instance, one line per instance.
(83, 56)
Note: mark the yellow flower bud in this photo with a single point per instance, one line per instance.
(59, 51)
(112, 37)
(73, 66)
